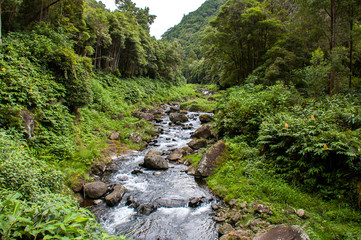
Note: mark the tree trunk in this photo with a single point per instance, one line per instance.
(1, 2)
(332, 44)
(351, 47)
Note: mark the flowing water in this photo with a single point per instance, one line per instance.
(169, 190)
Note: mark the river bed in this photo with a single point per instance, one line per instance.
(169, 191)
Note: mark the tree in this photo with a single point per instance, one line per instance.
(238, 39)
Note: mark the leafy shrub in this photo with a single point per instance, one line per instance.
(21, 172)
(49, 216)
(242, 109)
(318, 145)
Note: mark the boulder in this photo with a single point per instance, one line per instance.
(153, 152)
(95, 190)
(178, 117)
(171, 202)
(225, 228)
(116, 196)
(283, 232)
(147, 208)
(191, 170)
(154, 160)
(114, 136)
(210, 160)
(205, 118)
(187, 150)
(176, 155)
(196, 144)
(195, 201)
(203, 132)
(135, 138)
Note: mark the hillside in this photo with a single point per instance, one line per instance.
(190, 31)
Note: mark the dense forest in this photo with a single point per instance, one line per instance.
(286, 81)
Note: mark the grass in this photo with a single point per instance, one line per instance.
(242, 177)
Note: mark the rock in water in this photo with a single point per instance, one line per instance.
(147, 209)
(153, 160)
(95, 190)
(283, 233)
(116, 196)
(203, 132)
(210, 160)
(178, 117)
(176, 155)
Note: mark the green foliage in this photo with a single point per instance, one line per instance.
(189, 34)
(244, 176)
(241, 110)
(317, 144)
(238, 40)
(49, 216)
(19, 171)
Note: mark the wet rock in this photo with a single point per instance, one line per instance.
(195, 202)
(283, 233)
(147, 208)
(116, 196)
(135, 138)
(215, 206)
(191, 170)
(77, 183)
(225, 228)
(95, 190)
(176, 155)
(178, 118)
(114, 136)
(205, 118)
(196, 144)
(210, 160)
(136, 171)
(130, 200)
(203, 132)
(153, 160)
(171, 203)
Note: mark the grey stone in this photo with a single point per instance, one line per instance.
(210, 161)
(283, 232)
(116, 196)
(95, 190)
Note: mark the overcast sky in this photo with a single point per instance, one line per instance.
(168, 12)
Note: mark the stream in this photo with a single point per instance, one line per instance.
(169, 191)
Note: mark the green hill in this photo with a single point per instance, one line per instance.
(190, 31)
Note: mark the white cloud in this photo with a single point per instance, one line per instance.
(168, 12)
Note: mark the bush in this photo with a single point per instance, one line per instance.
(317, 144)
(21, 172)
(242, 109)
(49, 216)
